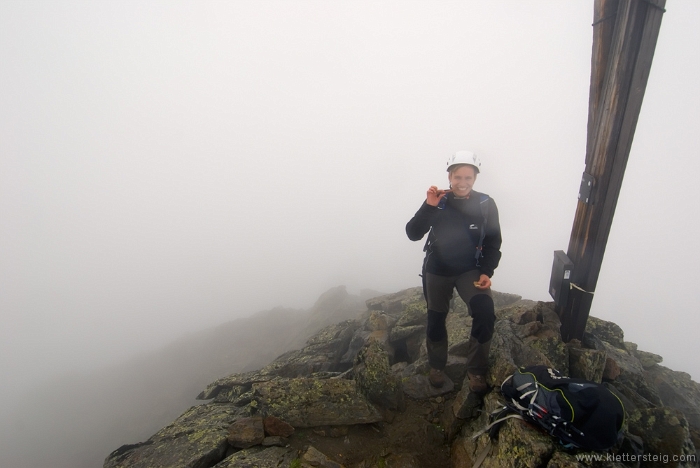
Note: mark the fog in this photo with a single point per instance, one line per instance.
(168, 166)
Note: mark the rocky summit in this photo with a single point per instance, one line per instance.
(357, 396)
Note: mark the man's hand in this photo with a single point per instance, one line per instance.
(483, 283)
(434, 195)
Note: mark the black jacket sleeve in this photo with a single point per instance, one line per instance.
(421, 222)
(491, 250)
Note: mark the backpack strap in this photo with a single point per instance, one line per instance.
(440, 206)
(492, 428)
(483, 204)
(482, 455)
(498, 421)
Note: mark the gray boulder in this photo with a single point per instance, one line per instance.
(307, 402)
(260, 457)
(246, 432)
(374, 377)
(196, 439)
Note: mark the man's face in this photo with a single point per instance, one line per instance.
(461, 180)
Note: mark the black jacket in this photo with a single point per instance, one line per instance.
(454, 235)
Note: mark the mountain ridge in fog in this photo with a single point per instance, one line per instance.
(357, 395)
(81, 416)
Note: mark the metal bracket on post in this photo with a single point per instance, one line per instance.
(584, 192)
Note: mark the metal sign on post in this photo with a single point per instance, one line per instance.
(560, 282)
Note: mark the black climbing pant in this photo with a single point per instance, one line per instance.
(438, 292)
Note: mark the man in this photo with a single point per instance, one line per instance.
(462, 251)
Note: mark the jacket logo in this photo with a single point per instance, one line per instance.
(473, 226)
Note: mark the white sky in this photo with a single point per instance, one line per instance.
(168, 166)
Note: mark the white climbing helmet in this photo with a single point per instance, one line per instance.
(464, 157)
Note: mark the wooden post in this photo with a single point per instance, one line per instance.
(624, 39)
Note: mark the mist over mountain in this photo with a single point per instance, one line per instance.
(357, 395)
(170, 166)
(75, 419)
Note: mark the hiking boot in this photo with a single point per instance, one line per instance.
(436, 378)
(477, 383)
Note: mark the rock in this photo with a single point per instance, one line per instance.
(631, 400)
(631, 347)
(274, 441)
(394, 304)
(522, 317)
(331, 431)
(401, 333)
(630, 445)
(236, 383)
(587, 364)
(466, 404)
(308, 402)
(374, 377)
(246, 432)
(564, 460)
(648, 360)
(260, 457)
(459, 348)
(403, 460)
(451, 424)
(516, 308)
(552, 348)
(317, 459)
(418, 387)
(528, 329)
(243, 399)
(411, 346)
(359, 339)
(459, 326)
(276, 427)
(413, 314)
(456, 368)
(195, 439)
(606, 331)
(376, 327)
(460, 456)
(677, 390)
(509, 352)
(611, 371)
(323, 352)
(631, 373)
(590, 341)
(379, 321)
(516, 441)
(224, 394)
(664, 431)
(381, 337)
(420, 366)
(501, 299)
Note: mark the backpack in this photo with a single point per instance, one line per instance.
(580, 413)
